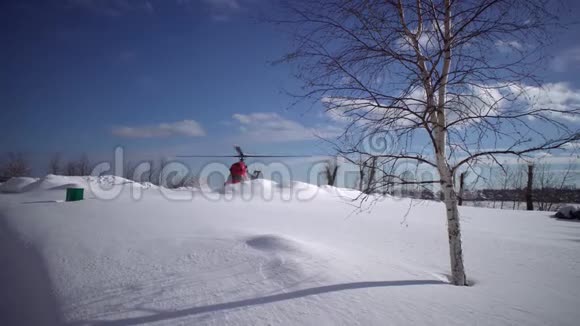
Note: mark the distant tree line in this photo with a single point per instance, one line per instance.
(504, 188)
(535, 187)
(153, 172)
(58, 166)
(538, 187)
(531, 187)
(16, 165)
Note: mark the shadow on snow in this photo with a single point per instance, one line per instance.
(161, 316)
(26, 296)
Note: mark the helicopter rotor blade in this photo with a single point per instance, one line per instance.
(239, 150)
(241, 155)
(244, 156)
(277, 155)
(207, 156)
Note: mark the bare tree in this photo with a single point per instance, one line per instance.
(506, 180)
(518, 185)
(175, 177)
(71, 168)
(129, 169)
(362, 168)
(451, 81)
(55, 164)
(84, 165)
(361, 180)
(15, 166)
(548, 185)
(162, 162)
(154, 172)
(371, 167)
(188, 180)
(330, 171)
(142, 172)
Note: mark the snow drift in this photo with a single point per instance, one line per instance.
(224, 258)
(17, 185)
(568, 212)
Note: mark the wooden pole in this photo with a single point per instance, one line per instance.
(461, 182)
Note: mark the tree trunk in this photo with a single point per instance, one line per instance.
(334, 172)
(529, 202)
(454, 231)
(361, 177)
(371, 182)
(451, 207)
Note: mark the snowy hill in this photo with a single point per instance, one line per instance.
(56, 182)
(260, 253)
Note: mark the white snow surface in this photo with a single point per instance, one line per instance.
(261, 253)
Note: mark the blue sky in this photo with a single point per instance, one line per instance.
(85, 76)
(163, 78)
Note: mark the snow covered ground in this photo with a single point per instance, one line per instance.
(301, 257)
(514, 205)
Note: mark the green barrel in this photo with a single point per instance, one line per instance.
(74, 194)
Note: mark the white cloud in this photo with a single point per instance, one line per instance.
(429, 40)
(508, 46)
(271, 127)
(573, 146)
(475, 103)
(426, 42)
(187, 128)
(554, 96)
(566, 59)
(535, 158)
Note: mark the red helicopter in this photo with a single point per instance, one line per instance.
(239, 170)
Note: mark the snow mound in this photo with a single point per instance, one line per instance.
(257, 186)
(17, 185)
(568, 212)
(54, 182)
(92, 184)
(303, 186)
(149, 185)
(286, 262)
(273, 243)
(299, 190)
(342, 192)
(187, 188)
(109, 180)
(268, 189)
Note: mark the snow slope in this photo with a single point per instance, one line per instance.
(16, 185)
(267, 254)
